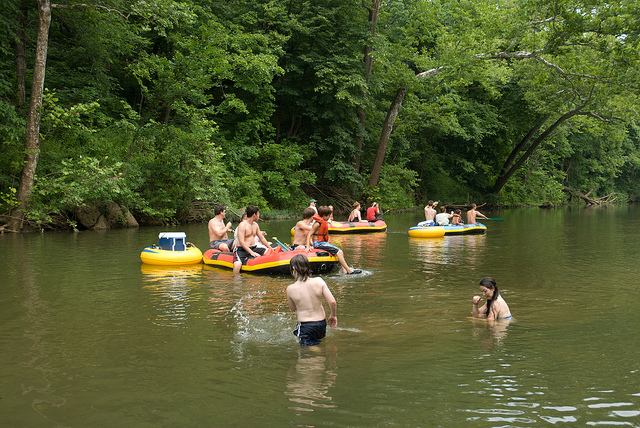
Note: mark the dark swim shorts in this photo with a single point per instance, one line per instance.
(309, 333)
(241, 255)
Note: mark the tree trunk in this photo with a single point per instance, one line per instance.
(32, 138)
(506, 175)
(21, 54)
(586, 197)
(374, 11)
(523, 143)
(387, 127)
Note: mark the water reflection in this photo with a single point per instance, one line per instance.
(430, 251)
(489, 333)
(310, 380)
(224, 289)
(361, 249)
(448, 250)
(170, 292)
(36, 373)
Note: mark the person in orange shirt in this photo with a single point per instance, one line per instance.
(319, 235)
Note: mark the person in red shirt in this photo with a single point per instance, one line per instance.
(373, 211)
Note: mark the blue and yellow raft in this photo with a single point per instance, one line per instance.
(437, 231)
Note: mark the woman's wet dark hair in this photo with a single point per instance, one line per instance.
(300, 267)
(490, 283)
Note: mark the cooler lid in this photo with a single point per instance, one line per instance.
(172, 235)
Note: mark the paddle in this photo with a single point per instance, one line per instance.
(494, 219)
(283, 246)
(384, 213)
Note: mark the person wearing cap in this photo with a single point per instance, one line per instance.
(312, 204)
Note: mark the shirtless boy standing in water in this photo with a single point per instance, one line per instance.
(305, 298)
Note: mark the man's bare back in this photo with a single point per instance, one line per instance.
(472, 213)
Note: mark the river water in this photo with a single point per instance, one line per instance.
(90, 337)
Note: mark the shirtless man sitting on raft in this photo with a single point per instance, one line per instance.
(247, 232)
(218, 230)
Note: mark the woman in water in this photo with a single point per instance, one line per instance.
(495, 308)
(355, 215)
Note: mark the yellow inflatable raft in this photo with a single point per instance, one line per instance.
(426, 232)
(171, 250)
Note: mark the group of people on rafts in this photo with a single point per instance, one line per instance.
(249, 241)
(432, 218)
(306, 294)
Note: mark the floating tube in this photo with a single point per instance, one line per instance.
(276, 263)
(426, 231)
(345, 227)
(172, 249)
(155, 255)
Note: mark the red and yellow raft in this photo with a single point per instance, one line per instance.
(345, 227)
(276, 263)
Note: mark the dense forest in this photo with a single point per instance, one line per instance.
(166, 108)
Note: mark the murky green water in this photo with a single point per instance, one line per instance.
(90, 337)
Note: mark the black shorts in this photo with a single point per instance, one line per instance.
(309, 333)
(241, 254)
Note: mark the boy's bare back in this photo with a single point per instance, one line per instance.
(305, 297)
